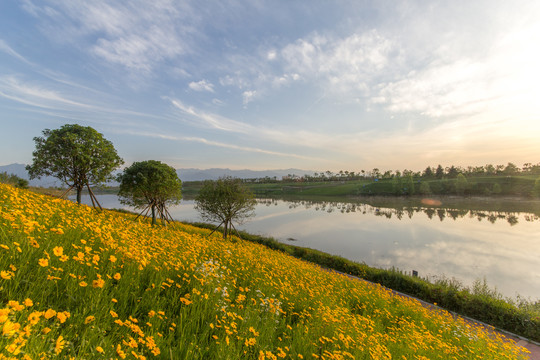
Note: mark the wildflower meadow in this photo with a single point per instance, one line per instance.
(76, 283)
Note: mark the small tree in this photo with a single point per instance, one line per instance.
(425, 189)
(225, 200)
(77, 155)
(408, 186)
(151, 186)
(462, 184)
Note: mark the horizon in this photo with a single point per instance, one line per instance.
(253, 86)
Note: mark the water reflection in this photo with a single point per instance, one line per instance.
(511, 218)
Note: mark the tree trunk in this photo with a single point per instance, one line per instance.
(153, 214)
(225, 228)
(79, 192)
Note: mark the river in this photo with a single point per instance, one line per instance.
(465, 241)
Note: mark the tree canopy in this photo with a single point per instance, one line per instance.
(225, 200)
(152, 186)
(77, 155)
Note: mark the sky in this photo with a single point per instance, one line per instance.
(315, 85)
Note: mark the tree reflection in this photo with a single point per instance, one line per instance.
(442, 213)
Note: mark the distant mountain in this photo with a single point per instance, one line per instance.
(20, 171)
(184, 174)
(215, 173)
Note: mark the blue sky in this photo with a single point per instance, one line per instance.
(315, 85)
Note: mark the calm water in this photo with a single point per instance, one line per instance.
(502, 247)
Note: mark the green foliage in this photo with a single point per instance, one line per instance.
(425, 189)
(462, 185)
(496, 189)
(76, 155)
(439, 172)
(396, 185)
(150, 184)
(14, 180)
(536, 189)
(225, 200)
(408, 186)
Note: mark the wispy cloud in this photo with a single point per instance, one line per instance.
(31, 94)
(8, 50)
(218, 144)
(137, 35)
(202, 85)
(213, 121)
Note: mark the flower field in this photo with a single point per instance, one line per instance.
(80, 284)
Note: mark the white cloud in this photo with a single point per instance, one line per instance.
(344, 63)
(137, 35)
(202, 85)
(213, 121)
(30, 94)
(8, 50)
(218, 144)
(248, 96)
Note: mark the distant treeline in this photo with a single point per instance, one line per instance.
(438, 172)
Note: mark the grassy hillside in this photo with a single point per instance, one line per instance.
(75, 283)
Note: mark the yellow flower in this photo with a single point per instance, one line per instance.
(59, 345)
(113, 314)
(83, 284)
(46, 330)
(62, 317)
(6, 275)
(10, 328)
(185, 301)
(98, 283)
(33, 318)
(117, 276)
(58, 251)
(89, 319)
(28, 303)
(99, 349)
(49, 313)
(250, 342)
(112, 258)
(43, 262)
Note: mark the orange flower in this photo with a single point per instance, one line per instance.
(43, 262)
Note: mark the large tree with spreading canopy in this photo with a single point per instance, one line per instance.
(77, 155)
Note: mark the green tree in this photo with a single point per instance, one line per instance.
(225, 200)
(462, 184)
(496, 189)
(439, 172)
(452, 172)
(14, 180)
(511, 169)
(396, 185)
(536, 188)
(424, 189)
(151, 186)
(77, 155)
(408, 186)
(428, 173)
